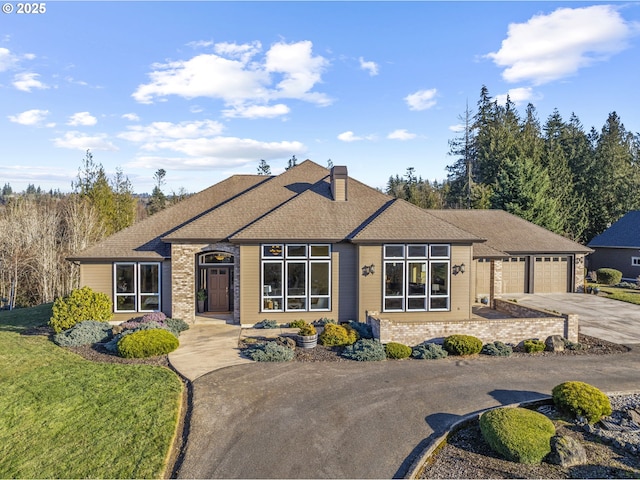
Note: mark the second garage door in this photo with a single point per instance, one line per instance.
(550, 274)
(514, 275)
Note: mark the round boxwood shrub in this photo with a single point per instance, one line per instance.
(462, 344)
(609, 276)
(297, 323)
(518, 434)
(337, 335)
(429, 351)
(497, 349)
(84, 333)
(582, 400)
(147, 343)
(270, 352)
(365, 350)
(533, 345)
(80, 305)
(397, 350)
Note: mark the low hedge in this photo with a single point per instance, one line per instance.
(365, 350)
(462, 344)
(533, 345)
(147, 343)
(608, 276)
(397, 350)
(497, 349)
(429, 351)
(518, 434)
(582, 400)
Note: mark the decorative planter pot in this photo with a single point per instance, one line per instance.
(307, 341)
(200, 306)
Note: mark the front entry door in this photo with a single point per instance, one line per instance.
(218, 284)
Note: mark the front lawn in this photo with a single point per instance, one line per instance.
(65, 417)
(617, 293)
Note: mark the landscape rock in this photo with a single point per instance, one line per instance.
(567, 452)
(554, 343)
(286, 342)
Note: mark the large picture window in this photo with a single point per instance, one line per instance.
(296, 277)
(136, 287)
(416, 278)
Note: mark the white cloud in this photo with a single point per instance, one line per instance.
(457, 128)
(132, 117)
(79, 141)
(257, 111)
(200, 44)
(218, 152)
(518, 96)
(422, 99)
(401, 134)
(28, 81)
(371, 67)
(234, 75)
(30, 117)
(554, 46)
(163, 131)
(7, 60)
(84, 119)
(349, 136)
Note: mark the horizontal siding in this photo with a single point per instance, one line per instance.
(97, 276)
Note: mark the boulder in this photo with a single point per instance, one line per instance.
(286, 342)
(567, 452)
(554, 343)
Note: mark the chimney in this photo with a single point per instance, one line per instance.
(339, 183)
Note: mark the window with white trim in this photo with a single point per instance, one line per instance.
(635, 261)
(136, 287)
(416, 277)
(296, 277)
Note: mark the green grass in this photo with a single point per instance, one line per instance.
(622, 294)
(65, 417)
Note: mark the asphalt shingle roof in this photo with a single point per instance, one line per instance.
(625, 233)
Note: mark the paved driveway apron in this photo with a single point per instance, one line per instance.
(362, 420)
(600, 317)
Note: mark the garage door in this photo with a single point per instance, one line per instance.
(550, 274)
(514, 275)
(483, 277)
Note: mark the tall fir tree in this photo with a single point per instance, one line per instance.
(264, 168)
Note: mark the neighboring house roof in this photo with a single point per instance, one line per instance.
(298, 206)
(625, 233)
(508, 233)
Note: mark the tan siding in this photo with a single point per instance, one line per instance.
(482, 272)
(250, 285)
(98, 276)
(369, 287)
(340, 193)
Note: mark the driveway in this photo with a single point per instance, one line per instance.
(612, 320)
(362, 420)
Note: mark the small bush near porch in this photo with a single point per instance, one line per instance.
(66, 417)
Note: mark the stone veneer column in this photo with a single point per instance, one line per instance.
(579, 273)
(183, 280)
(495, 282)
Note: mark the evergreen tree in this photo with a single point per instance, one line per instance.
(158, 200)
(7, 190)
(124, 202)
(264, 168)
(292, 162)
(462, 174)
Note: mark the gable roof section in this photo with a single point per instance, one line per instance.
(235, 215)
(142, 241)
(403, 221)
(625, 233)
(508, 233)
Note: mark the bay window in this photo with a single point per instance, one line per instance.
(416, 277)
(296, 277)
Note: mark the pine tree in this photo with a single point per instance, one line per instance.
(125, 203)
(462, 175)
(292, 162)
(158, 200)
(264, 168)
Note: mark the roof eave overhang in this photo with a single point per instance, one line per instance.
(157, 258)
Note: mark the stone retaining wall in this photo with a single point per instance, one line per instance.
(507, 330)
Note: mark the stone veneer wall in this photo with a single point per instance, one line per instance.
(579, 274)
(508, 330)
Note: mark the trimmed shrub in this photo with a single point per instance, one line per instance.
(84, 333)
(176, 325)
(608, 276)
(266, 324)
(307, 330)
(337, 335)
(365, 350)
(429, 351)
(270, 352)
(497, 349)
(323, 321)
(533, 345)
(147, 343)
(297, 323)
(462, 344)
(80, 305)
(363, 329)
(518, 434)
(158, 317)
(581, 400)
(397, 351)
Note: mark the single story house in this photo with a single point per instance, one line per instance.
(619, 247)
(312, 243)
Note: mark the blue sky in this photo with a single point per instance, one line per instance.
(207, 89)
